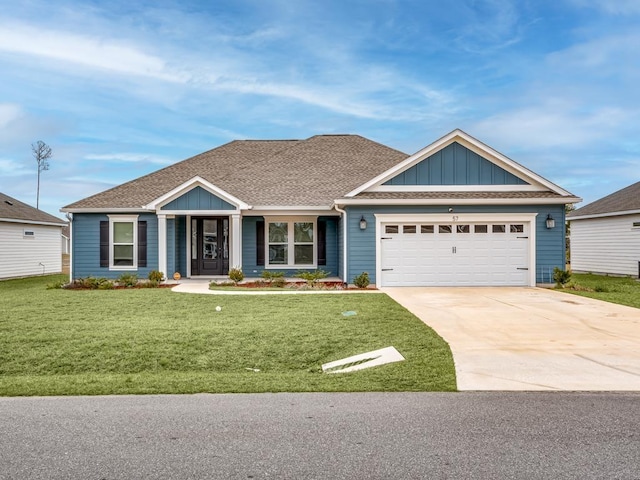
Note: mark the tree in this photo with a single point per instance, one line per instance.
(42, 153)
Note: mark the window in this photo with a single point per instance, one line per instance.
(123, 235)
(291, 242)
(391, 229)
(463, 229)
(444, 229)
(409, 229)
(426, 229)
(28, 234)
(517, 228)
(498, 228)
(480, 229)
(636, 224)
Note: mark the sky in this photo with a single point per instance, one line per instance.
(119, 89)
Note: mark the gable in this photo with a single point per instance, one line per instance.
(198, 199)
(455, 165)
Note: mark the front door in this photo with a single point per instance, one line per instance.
(209, 246)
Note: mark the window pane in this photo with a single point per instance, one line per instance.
(463, 229)
(517, 228)
(426, 228)
(409, 229)
(498, 228)
(278, 232)
(480, 229)
(303, 254)
(444, 228)
(123, 255)
(122, 232)
(391, 229)
(303, 232)
(278, 255)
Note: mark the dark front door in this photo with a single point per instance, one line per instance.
(209, 246)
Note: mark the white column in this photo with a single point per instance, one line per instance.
(235, 257)
(162, 244)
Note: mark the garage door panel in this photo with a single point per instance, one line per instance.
(451, 255)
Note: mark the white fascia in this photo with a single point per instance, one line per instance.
(105, 210)
(475, 146)
(189, 185)
(456, 201)
(32, 222)
(603, 215)
(271, 210)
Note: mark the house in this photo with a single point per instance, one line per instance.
(29, 240)
(65, 240)
(455, 213)
(605, 235)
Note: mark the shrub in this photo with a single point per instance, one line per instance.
(311, 277)
(149, 284)
(362, 280)
(270, 275)
(91, 283)
(279, 282)
(236, 275)
(155, 276)
(128, 280)
(561, 277)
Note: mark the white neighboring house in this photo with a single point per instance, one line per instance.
(605, 235)
(29, 240)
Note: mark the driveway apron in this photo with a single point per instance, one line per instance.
(531, 338)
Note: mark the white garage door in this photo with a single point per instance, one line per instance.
(454, 254)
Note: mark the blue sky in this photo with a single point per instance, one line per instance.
(119, 89)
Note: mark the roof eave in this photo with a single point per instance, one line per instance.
(33, 222)
(603, 215)
(457, 201)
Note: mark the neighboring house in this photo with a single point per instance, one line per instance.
(66, 240)
(605, 235)
(455, 213)
(29, 240)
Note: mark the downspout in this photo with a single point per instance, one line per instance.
(70, 218)
(344, 243)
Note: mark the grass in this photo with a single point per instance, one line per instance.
(622, 290)
(61, 342)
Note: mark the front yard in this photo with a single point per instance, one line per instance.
(622, 290)
(60, 342)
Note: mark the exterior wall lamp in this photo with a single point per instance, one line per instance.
(550, 221)
(363, 223)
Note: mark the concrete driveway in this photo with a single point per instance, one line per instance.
(531, 338)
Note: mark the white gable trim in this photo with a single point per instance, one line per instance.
(457, 188)
(189, 185)
(475, 146)
(603, 215)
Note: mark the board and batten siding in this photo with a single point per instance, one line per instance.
(606, 245)
(86, 246)
(29, 255)
(361, 248)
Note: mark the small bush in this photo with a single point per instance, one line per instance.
(279, 282)
(561, 277)
(362, 280)
(149, 284)
(270, 275)
(313, 277)
(128, 280)
(236, 275)
(155, 276)
(91, 283)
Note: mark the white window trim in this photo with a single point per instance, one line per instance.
(291, 243)
(123, 219)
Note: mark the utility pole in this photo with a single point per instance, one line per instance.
(42, 153)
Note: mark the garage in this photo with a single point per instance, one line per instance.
(455, 251)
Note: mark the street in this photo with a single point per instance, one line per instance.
(323, 435)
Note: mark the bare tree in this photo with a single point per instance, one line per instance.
(42, 153)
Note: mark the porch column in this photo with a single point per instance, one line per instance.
(235, 259)
(162, 244)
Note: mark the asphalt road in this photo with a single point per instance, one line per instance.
(334, 436)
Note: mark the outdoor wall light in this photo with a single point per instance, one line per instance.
(363, 223)
(550, 221)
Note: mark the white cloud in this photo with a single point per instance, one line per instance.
(130, 158)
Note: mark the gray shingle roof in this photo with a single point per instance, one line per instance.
(621, 201)
(12, 209)
(312, 172)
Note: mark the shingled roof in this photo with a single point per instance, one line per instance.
(13, 210)
(310, 172)
(625, 200)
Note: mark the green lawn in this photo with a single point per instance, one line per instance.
(625, 291)
(61, 342)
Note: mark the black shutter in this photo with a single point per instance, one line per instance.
(104, 243)
(142, 244)
(322, 242)
(260, 242)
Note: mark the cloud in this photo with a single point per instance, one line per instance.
(130, 158)
(85, 50)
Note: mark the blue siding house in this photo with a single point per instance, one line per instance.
(455, 213)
